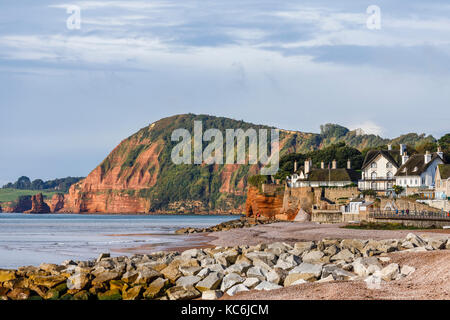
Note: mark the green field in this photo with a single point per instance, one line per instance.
(12, 194)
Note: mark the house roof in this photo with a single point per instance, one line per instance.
(373, 154)
(444, 170)
(416, 165)
(333, 175)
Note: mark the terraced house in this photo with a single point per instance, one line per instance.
(332, 176)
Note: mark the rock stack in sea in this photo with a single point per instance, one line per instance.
(233, 224)
(209, 273)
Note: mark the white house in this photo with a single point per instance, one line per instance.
(378, 170)
(419, 170)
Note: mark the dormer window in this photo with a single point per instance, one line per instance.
(415, 169)
(373, 165)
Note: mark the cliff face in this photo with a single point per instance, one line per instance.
(22, 204)
(38, 205)
(263, 205)
(138, 176)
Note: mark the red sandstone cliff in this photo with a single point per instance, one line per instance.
(38, 205)
(263, 205)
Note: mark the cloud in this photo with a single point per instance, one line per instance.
(368, 127)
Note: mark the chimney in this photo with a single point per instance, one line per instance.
(404, 158)
(439, 152)
(322, 165)
(307, 166)
(295, 166)
(349, 164)
(427, 157)
(333, 164)
(402, 149)
(389, 147)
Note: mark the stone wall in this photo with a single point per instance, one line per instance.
(334, 194)
(416, 223)
(326, 216)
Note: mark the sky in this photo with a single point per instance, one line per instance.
(69, 95)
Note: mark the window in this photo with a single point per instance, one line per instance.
(388, 165)
(374, 186)
(389, 175)
(373, 165)
(373, 175)
(417, 182)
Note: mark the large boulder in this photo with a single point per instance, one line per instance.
(182, 293)
(237, 288)
(313, 256)
(305, 271)
(366, 266)
(155, 288)
(345, 255)
(188, 281)
(267, 286)
(389, 272)
(211, 282)
(230, 280)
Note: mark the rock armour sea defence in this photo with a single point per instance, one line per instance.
(210, 273)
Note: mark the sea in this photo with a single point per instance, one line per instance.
(31, 239)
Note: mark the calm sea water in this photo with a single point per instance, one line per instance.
(32, 239)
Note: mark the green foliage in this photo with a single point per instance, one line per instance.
(7, 194)
(339, 152)
(60, 185)
(258, 180)
(398, 189)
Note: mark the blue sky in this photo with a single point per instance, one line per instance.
(68, 97)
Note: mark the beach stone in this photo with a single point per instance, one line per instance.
(56, 292)
(276, 275)
(203, 273)
(189, 271)
(211, 282)
(437, 244)
(353, 244)
(366, 266)
(388, 245)
(216, 268)
(207, 261)
(278, 248)
(172, 273)
(312, 256)
(188, 281)
(78, 281)
(47, 281)
(331, 250)
(384, 259)
(227, 257)
(146, 275)
(237, 288)
(266, 257)
(374, 281)
(110, 295)
(239, 268)
(130, 276)
(415, 240)
(106, 277)
(117, 284)
(287, 261)
(305, 271)
(82, 295)
(345, 255)
(389, 272)
(19, 294)
(182, 293)
(328, 270)
(256, 272)
(407, 270)
(241, 259)
(155, 288)
(407, 244)
(329, 278)
(251, 282)
(102, 256)
(192, 253)
(230, 280)
(6, 275)
(262, 264)
(51, 268)
(304, 246)
(211, 294)
(267, 286)
(416, 249)
(299, 281)
(342, 275)
(132, 293)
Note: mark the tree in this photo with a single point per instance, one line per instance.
(398, 189)
(23, 183)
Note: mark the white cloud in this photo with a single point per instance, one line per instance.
(129, 5)
(369, 127)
